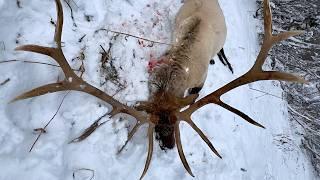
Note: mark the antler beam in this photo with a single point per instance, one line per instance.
(73, 82)
(254, 74)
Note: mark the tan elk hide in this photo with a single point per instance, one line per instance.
(199, 34)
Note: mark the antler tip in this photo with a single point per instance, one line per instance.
(143, 174)
(259, 125)
(15, 99)
(303, 81)
(19, 48)
(11, 101)
(298, 32)
(20, 97)
(218, 155)
(299, 79)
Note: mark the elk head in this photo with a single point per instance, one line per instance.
(167, 106)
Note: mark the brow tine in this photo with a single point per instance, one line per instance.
(180, 149)
(203, 137)
(150, 150)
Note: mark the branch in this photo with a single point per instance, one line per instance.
(32, 62)
(137, 37)
(43, 130)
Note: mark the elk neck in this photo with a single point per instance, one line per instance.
(170, 80)
(172, 77)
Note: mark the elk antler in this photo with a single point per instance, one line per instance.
(73, 82)
(254, 74)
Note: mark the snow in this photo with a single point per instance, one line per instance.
(248, 152)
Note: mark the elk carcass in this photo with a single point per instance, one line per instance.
(199, 34)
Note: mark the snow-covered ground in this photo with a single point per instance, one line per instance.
(249, 153)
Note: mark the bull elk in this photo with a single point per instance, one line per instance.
(200, 33)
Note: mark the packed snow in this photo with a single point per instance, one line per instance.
(248, 152)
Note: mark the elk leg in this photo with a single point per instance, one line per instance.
(224, 59)
(195, 90)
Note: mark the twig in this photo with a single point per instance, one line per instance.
(106, 55)
(137, 37)
(82, 69)
(305, 127)
(32, 62)
(299, 123)
(43, 130)
(301, 115)
(71, 12)
(81, 57)
(110, 72)
(81, 39)
(119, 90)
(257, 97)
(307, 146)
(5, 82)
(83, 169)
(265, 93)
(19, 4)
(103, 49)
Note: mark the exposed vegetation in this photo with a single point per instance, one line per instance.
(300, 55)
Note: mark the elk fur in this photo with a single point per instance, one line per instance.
(199, 34)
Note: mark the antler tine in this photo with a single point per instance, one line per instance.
(269, 39)
(54, 87)
(150, 150)
(202, 135)
(72, 81)
(130, 135)
(241, 114)
(267, 14)
(180, 149)
(54, 52)
(59, 25)
(254, 74)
